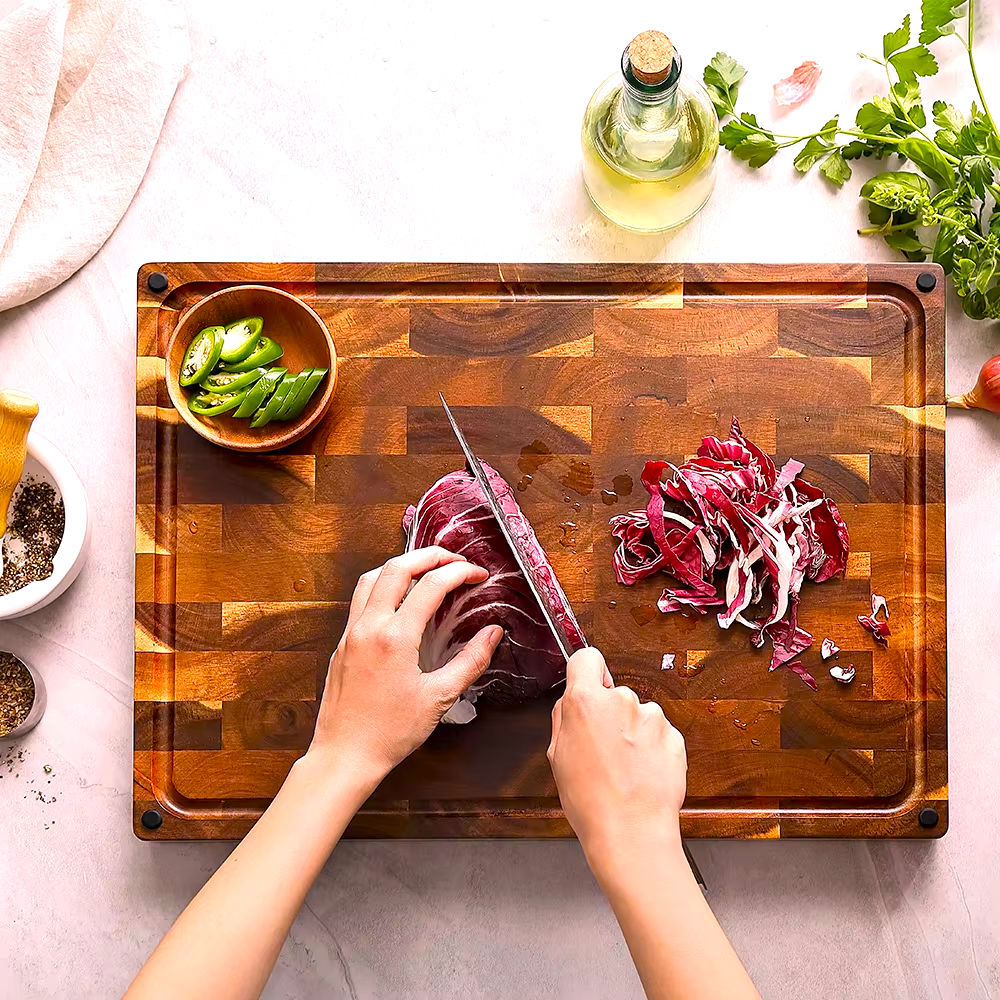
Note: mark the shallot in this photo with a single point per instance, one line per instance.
(985, 394)
(830, 648)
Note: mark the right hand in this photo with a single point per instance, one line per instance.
(620, 766)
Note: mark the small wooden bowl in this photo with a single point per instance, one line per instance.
(288, 320)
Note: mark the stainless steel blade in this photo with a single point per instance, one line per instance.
(491, 498)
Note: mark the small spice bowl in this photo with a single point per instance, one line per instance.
(46, 463)
(27, 708)
(287, 319)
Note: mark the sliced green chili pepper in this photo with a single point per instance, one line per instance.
(300, 382)
(267, 412)
(240, 339)
(264, 352)
(258, 393)
(302, 397)
(211, 404)
(202, 355)
(232, 381)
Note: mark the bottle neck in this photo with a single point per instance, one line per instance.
(649, 107)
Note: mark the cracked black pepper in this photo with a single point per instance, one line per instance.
(17, 693)
(35, 530)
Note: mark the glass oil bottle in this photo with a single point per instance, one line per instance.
(650, 139)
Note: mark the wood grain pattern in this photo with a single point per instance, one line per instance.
(245, 565)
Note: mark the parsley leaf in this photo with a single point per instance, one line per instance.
(875, 115)
(895, 40)
(723, 76)
(835, 168)
(979, 170)
(811, 153)
(756, 149)
(738, 130)
(817, 146)
(936, 17)
(905, 99)
(911, 63)
(948, 116)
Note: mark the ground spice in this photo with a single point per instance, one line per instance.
(17, 693)
(34, 532)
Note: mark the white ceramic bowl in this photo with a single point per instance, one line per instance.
(45, 462)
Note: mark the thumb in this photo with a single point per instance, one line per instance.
(586, 669)
(467, 666)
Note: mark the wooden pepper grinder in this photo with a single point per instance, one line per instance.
(17, 411)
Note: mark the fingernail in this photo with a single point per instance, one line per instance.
(496, 634)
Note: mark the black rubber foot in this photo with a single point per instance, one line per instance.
(928, 817)
(926, 282)
(152, 820)
(157, 282)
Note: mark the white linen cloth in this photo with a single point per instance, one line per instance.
(84, 89)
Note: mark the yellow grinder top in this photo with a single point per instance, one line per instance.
(17, 411)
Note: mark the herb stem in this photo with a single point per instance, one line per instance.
(881, 230)
(972, 66)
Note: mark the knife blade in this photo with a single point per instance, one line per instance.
(476, 468)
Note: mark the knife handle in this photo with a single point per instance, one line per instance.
(17, 411)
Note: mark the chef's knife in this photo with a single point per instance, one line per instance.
(476, 468)
(541, 598)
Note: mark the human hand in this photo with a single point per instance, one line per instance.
(378, 706)
(620, 766)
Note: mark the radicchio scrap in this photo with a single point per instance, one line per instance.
(734, 532)
(878, 628)
(454, 514)
(807, 678)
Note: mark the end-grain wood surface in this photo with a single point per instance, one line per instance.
(564, 377)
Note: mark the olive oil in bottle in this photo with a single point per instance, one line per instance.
(650, 138)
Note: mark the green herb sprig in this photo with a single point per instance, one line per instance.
(950, 209)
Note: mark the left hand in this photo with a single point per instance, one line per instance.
(378, 706)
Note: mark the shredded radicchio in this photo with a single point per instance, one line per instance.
(734, 533)
(830, 648)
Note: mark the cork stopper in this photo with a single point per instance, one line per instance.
(651, 55)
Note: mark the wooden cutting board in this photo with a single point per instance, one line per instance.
(245, 565)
